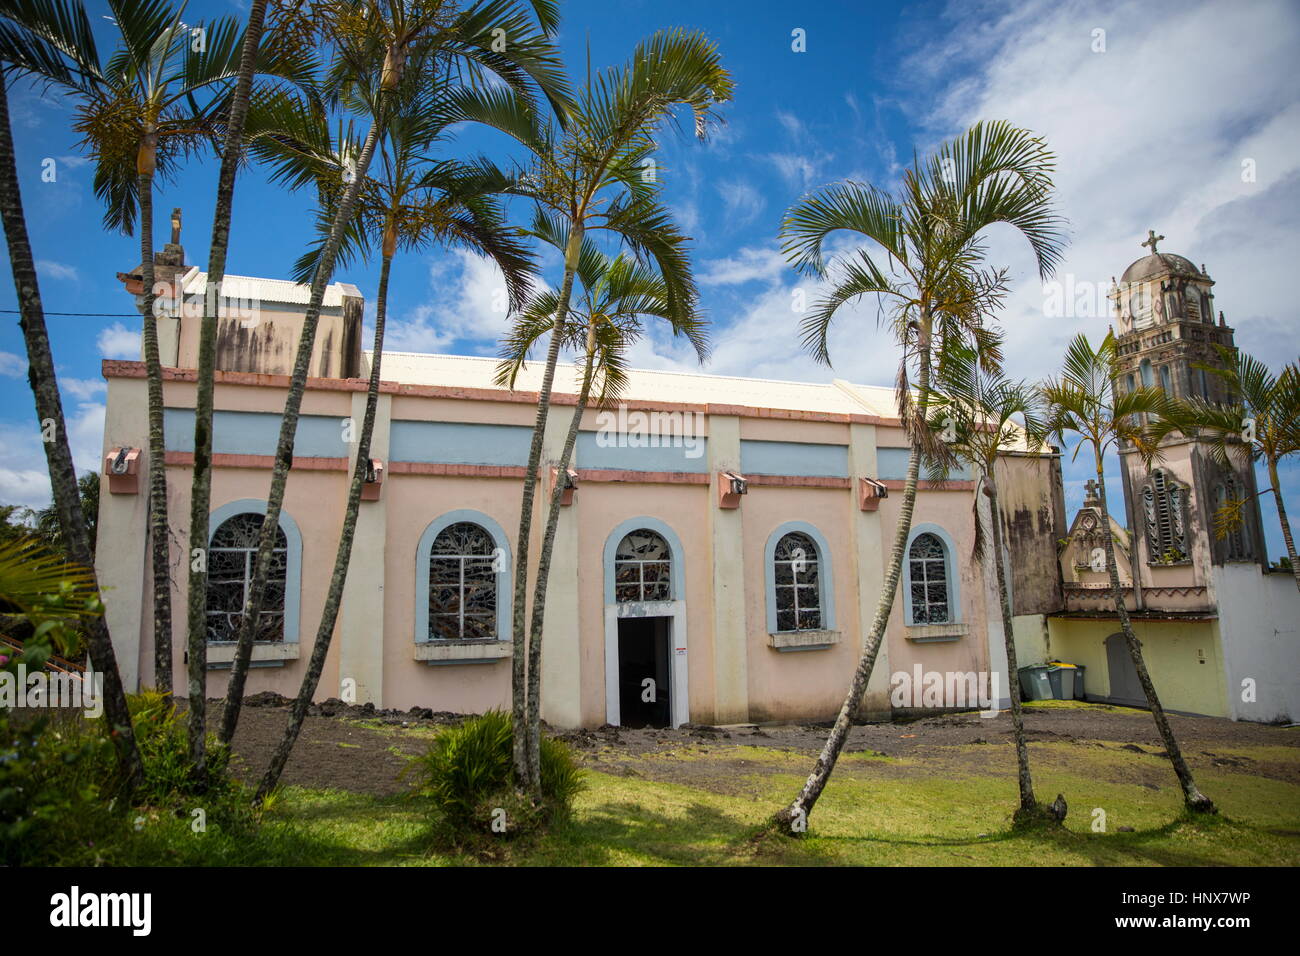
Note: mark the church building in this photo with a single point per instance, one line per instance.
(724, 538)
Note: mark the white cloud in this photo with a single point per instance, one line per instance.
(468, 304)
(797, 169)
(82, 389)
(12, 366)
(119, 342)
(1149, 134)
(57, 271)
(741, 203)
(28, 483)
(748, 264)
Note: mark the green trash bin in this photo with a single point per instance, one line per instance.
(1061, 676)
(1034, 683)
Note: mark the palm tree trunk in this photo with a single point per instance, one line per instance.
(201, 485)
(543, 576)
(518, 661)
(1027, 802)
(284, 449)
(1196, 801)
(342, 558)
(159, 528)
(58, 456)
(1282, 519)
(793, 819)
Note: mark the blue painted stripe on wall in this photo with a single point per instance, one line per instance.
(459, 443)
(256, 433)
(892, 464)
(692, 458)
(793, 458)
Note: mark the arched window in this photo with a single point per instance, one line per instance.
(642, 568)
(1166, 380)
(232, 553)
(797, 580)
(1163, 503)
(929, 579)
(1236, 543)
(463, 566)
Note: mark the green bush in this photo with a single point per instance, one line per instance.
(55, 791)
(61, 799)
(163, 739)
(467, 775)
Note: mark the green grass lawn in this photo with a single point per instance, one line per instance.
(876, 811)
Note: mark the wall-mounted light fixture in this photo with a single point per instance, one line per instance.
(730, 487)
(122, 466)
(374, 483)
(870, 492)
(570, 484)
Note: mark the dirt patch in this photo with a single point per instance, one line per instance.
(363, 749)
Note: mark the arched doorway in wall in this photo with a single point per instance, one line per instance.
(645, 626)
(1125, 688)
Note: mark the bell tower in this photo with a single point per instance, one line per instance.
(1166, 328)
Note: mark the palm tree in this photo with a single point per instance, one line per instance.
(1260, 421)
(49, 415)
(46, 522)
(617, 296)
(592, 177)
(414, 202)
(932, 237)
(980, 410)
(374, 42)
(1084, 401)
(140, 115)
(205, 375)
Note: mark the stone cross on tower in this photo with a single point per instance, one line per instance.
(1152, 239)
(176, 226)
(1090, 491)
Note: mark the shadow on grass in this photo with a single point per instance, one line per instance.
(1147, 847)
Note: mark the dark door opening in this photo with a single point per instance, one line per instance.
(643, 681)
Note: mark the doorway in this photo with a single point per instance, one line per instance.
(644, 683)
(1125, 688)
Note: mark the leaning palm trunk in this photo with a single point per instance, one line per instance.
(1282, 519)
(518, 661)
(201, 487)
(794, 818)
(58, 456)
(543, 576)
(342, 558)
(159, 529)
(1196, 801)
(284, 449)
(1027, 802)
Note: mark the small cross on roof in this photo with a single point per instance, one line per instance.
(1152, 239)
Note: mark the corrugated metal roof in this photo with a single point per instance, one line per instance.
(650, 385)
(269, 290)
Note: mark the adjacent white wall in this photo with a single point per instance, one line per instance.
(1259, 628)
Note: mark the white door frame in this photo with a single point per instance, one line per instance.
(678, 693)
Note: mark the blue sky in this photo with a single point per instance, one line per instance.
(1152, 130)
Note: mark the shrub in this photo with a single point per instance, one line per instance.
(163, 739)
(467, 774)
(61, 799)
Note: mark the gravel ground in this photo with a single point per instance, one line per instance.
(365, 750)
